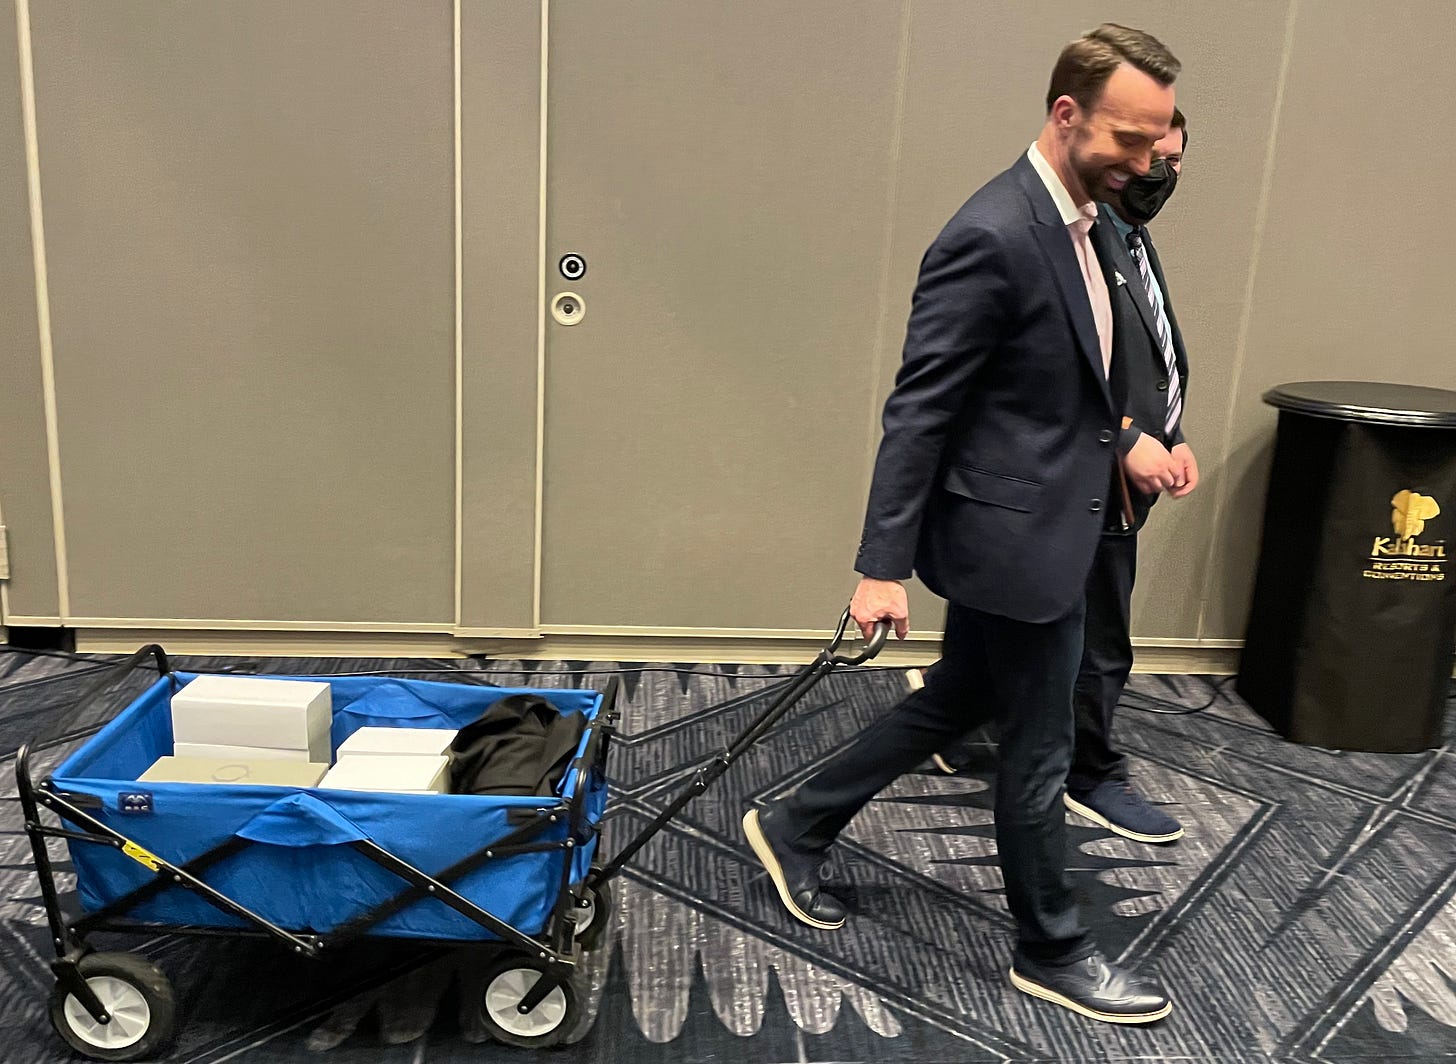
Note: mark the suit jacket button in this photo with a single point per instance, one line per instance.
(1162, 386)
(1105, 436)
(1096, 506)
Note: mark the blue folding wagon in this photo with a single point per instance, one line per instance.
(315, 869)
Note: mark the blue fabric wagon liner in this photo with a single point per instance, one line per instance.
(316, 868)
(295, 858)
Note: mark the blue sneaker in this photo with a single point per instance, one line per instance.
(1119, 808)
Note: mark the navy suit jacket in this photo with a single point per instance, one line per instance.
(992, 479)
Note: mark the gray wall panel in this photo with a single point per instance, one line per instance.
(249, 220)
(249, 212)
(1357, 262)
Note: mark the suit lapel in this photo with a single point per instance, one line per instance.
(1137, 293)
(1123, 262)
(1179, 352)
(1056, 244)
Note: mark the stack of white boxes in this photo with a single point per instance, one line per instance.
(243, 729)
(395, 760)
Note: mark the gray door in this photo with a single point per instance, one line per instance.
(709, 419)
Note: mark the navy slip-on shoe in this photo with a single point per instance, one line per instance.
(1117, 806)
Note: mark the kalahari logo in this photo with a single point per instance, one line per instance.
(1400, 557)
(1409, 513)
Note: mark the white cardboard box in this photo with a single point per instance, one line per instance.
(398, 741)
(268, 772)
(402, 774)
(251, 711)
(218, 751)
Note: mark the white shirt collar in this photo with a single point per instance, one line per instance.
(1066, 207)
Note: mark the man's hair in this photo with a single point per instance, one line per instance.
(1085, 65)
(1180, 121)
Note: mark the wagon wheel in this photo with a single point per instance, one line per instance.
(138, 997)
(507, 982)
(593, 913)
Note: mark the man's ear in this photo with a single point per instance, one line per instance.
(1065, 111)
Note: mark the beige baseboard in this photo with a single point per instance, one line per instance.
(1218, 657)
(1185, 660)
(289, 644)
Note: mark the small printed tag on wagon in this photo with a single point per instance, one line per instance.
(134, 801)
(141, 856)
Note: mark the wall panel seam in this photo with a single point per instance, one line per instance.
(1261, 215)
(540, 319)
(887, 249)
(459, 333)
(42, 301)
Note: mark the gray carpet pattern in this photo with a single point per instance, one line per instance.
(1308, 916)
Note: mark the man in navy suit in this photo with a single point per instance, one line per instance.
(1150, 384)
(991, 484)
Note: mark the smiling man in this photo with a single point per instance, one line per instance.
(992, 484)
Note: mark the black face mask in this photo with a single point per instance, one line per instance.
(1143, 197)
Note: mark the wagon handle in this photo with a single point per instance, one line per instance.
(61, 937)
(151, 650)
(871, 650)
(594, 755)
(827, 661)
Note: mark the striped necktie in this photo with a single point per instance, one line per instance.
(1165, 331)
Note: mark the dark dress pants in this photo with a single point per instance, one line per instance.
(1106, 663)
(992, 668)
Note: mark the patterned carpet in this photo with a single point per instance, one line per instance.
(1308, 916)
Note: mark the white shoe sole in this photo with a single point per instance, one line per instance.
(764, 851)
(1036, 990)
(1097, 818)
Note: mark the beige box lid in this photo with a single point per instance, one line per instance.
(269, 772)
(398, 741)
(222, 752)
(405, 773)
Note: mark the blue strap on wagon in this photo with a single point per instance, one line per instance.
(301, 820)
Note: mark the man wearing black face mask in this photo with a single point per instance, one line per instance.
(1155, 459)
(1150, 386)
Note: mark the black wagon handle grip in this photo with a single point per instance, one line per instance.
(871, 649)
(111, 677)
(22, 756)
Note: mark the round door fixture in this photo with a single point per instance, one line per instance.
(568, 308)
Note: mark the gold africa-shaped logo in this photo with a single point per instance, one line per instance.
(1410, 512)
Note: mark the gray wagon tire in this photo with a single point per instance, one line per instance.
(139, 997)
(506, 983)
(592, 918)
